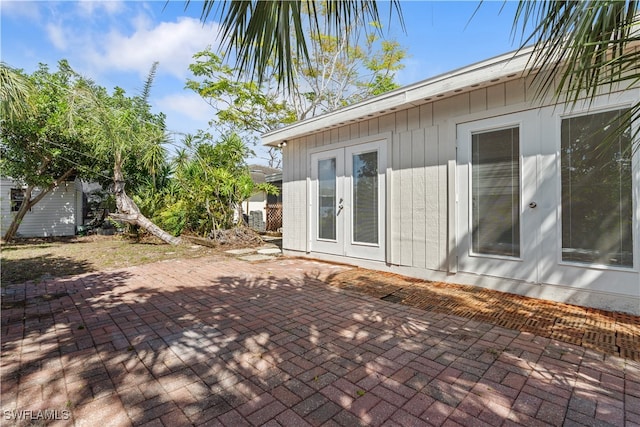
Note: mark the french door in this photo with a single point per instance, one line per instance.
(347, 209)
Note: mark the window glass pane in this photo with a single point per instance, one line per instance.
(597, 206)
(17, 198)
(495, 192)
(365, 197)
(327, 199)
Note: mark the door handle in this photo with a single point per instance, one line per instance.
(533, 205)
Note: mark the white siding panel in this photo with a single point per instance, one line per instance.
(446, 153)
(354, 130)
(413, 118)
(288, 190)
(515, 91)
(426, 115)
(301, 187)
(387, 123)
(344, 133)
(478, 100)
(496, 96)
(334, 136)
(374, 126)
(294, 195)
(325, 138)
(401, 121)
(394, 198)
(363, 128)
(432, 199)
(292, 150)
(406, 200)
(447, 108)
(419, 198)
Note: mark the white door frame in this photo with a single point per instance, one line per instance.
(524, 266)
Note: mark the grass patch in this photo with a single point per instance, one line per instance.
(38, 259)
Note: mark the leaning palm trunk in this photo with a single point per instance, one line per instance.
(129, 212)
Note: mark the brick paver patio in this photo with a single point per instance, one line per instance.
(224, 342)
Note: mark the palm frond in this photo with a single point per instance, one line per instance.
(264, 34)
(581, 44)
(581, 47)
(15, 89)
(148, 83)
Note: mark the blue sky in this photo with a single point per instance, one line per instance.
(115, 43)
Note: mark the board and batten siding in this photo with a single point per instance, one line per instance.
(421, 212)
(55, 215)
(421, 182)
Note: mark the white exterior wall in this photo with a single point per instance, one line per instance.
(55, 215)
(423, 147)
(421, 212)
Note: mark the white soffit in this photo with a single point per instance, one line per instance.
(501, 68)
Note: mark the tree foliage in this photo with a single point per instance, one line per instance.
(239, 104)
(40, 146)
(339, 71)
(210, 182)
(124, 132)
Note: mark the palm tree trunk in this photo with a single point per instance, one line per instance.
(129, 212)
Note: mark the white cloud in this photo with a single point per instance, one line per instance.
(189, 105)
(171, 43)
(186, 113)
(110, 7)
(20, 9)
(57, 36)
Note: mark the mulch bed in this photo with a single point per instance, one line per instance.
(604, 331)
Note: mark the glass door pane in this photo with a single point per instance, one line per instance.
(597, 209)
(365, 197)
(495, 192)
(327, 199)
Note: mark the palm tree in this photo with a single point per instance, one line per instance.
(14, 93)
(582, 46)
(266, 33)
(122, 127)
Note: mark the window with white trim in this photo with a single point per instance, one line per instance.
(17, 198)
(597, 206)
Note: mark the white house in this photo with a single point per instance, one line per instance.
(470, 178)
(57, 214)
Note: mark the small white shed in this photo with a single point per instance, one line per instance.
(469, 178)
(57, 214)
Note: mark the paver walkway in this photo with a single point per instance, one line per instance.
(232, 343)
(609, 332)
